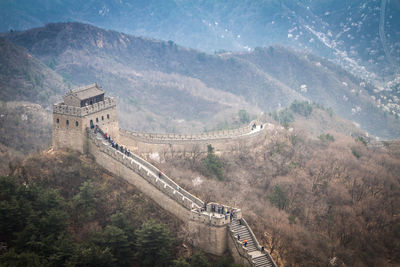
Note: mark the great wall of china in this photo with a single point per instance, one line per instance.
(78, 125)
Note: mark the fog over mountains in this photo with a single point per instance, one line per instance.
(361, 35)
(161, 81)
(230, 38)
(319, 186)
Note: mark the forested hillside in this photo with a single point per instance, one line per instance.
(61, 209)
(318, 186)
(171, 88)
(314, 200)
(23, 77)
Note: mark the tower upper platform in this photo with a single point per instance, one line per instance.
(84, 96)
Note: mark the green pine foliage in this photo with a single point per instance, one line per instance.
(35, 227)
(63, 210)
(199, 260)
(181, 262)
(278, 197)
(244, 116)
(284, 117)
(212, 163)
(303, 108)
(326, 138)
(153, 244)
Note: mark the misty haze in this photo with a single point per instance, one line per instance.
(200, 133)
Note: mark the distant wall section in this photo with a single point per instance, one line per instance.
(222, 141)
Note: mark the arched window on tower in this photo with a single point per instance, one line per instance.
(76, 123)
(67, 122)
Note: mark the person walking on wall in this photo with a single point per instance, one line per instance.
(245, 242)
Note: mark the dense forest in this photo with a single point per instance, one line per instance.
(61, 209)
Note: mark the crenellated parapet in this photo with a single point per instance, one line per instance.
(167, 186)
(81, 123)
(213, 227)
(157, 138)
(64, 109)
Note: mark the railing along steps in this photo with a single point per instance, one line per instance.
(258, 258)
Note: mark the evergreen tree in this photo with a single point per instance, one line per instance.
(117, 242)
(279, 197)
(153, 244)
(199, 260)
(213, 163)
(181, 262)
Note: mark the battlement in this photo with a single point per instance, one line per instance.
(79, 122)
(63, 109)
(166, 185)
(81, 108)
(156, 138)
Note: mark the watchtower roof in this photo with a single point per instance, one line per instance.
(87, 91)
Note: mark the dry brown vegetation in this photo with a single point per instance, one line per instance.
(24, 128)
(311, 202)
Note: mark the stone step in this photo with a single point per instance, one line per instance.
(264, 259)
(249, 243)
(263, 264)
(261, 256)
(242, 232)
(245, 235)
(241, 229)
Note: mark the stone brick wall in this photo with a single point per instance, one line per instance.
(222, 141)
(207, 232)
(237, 251)
(70, 123)
(68, 132)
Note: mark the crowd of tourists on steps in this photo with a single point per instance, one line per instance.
(115, 145)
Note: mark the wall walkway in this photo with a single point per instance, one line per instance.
(156, 138)
(211, 227)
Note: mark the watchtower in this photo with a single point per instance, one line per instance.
(82, 108)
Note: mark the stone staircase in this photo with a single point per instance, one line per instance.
(253, 249)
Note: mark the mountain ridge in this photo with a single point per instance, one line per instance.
(327, 28)
(262, 80)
